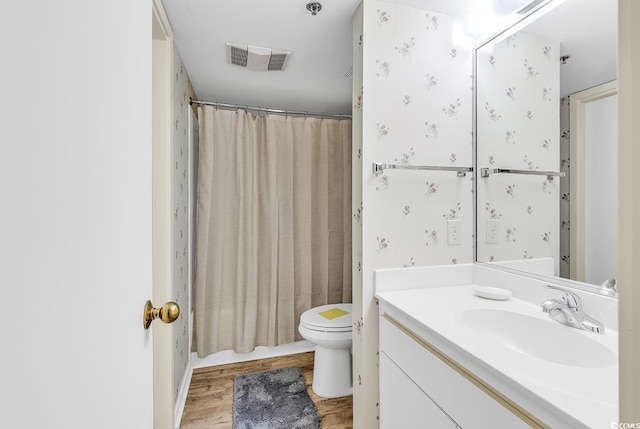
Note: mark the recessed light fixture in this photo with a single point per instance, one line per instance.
(529, 7)
(491, 15)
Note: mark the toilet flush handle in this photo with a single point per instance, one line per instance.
(168, 313)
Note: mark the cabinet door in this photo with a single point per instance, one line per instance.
(403, 404)
(468, 405)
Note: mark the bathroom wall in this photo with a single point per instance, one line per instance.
(518, 128)
(412, 105)
(182, 90)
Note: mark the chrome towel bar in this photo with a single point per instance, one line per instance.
(379, 167)
(486, 172)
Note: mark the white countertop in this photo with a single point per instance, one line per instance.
(560, 395)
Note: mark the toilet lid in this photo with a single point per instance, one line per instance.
(328, 317)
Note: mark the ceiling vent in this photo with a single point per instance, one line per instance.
(256, 57)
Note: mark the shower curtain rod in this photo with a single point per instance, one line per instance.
(266, 110)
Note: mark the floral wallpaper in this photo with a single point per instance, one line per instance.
(182, 90)
(518, 128)
(412, 94)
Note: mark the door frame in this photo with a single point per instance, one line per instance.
(577, 138)
(162, 41)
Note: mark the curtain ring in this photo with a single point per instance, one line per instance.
(237, 107)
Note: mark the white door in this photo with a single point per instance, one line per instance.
(75, 214)
(593, 182)
(601, 189)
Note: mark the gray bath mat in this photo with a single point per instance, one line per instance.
(275, 399)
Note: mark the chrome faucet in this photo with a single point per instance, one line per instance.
(569, 311)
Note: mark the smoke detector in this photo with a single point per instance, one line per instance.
(256, 58)
(314, 7)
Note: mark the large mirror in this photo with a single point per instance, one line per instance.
(546, 143)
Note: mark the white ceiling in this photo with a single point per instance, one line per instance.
(587, 31)
(314, 78)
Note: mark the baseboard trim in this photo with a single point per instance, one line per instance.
(181, 400)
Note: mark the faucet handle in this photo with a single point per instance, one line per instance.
(609, 287)
(572, 300)
(551, 304)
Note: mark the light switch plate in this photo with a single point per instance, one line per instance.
(453, 232)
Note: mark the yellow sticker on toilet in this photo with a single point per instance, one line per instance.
(332, 313)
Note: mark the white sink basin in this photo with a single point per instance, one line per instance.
(540, 338)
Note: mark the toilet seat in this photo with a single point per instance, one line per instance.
(314, 320)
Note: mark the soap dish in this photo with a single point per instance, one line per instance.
(494, 293)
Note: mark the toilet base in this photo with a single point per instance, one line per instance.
(332, 376)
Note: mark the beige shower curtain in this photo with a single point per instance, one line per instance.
(273, 226)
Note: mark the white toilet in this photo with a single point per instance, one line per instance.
(329, 328)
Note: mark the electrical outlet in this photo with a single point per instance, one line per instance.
(453, 232)
(492, 231)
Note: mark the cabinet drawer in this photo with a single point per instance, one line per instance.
(403, 404)
(468, 405)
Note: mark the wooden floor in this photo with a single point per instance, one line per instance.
(209, 403)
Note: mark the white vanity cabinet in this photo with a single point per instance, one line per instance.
(420, 388)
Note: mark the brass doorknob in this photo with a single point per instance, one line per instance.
(168, 313)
